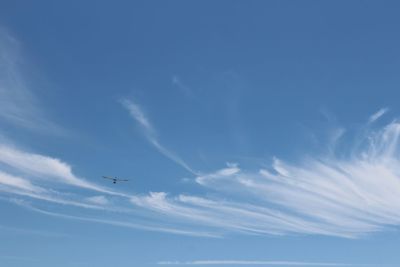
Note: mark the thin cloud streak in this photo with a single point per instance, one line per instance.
(136, 113)
(23, 231)
(11, 181)
(98, 200)
(374, 117)
(18, 104)
(177, 81)
(247, 262)
(122, 223)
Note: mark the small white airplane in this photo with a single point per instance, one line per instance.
(115, 179)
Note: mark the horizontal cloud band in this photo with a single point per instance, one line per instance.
(345, 196)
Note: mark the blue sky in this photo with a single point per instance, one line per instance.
(252, 133)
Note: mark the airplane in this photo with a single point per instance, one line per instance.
(115, 179)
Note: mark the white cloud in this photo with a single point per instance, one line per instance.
(26, 231)
(99, 200)
(40, 171)
(377, 115)
(177, 81)
(226, 172)
(18, 104)
(12, 181)
(335, 194)
(126, 224)
(253, 262)
(136, 112)
(50, 196)
(44, 167)
(345, 196)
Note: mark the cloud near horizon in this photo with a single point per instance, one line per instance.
(259, 262)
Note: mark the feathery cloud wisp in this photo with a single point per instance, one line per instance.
(99, 200)
(18, 105)
(136, 112)
(345, 196)
(377, 115)
(177, 81)
(8, 180)
(126, 224)
(348, 195)
(44, 167)
(252, 262)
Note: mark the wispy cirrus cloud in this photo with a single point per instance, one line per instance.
(99, 200)
(11, 181)
(346, 194)
(377, 115)
(23, 231)
(43, 167)
(43, 178)
(38, 178)
(120, 223)
(177, 81)
(137, 113)
(18, 104)
(255, 262)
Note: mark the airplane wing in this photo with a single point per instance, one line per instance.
(115, 179)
